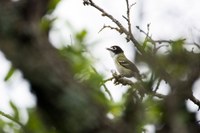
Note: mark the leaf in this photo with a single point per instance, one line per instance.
(81, 35)
(10, 73)
(46, 23)
(15, 109)
(35, 123)
(52, 4)
(177, 46)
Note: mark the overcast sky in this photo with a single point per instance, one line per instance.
(170, 19)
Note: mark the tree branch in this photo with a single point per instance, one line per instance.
(128, 16)
(120, 26)
(120, 80)
(195, 101)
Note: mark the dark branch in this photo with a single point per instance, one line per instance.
(128, 17)
(120, 26)
(120, 80)
(195, 101)
(110, 27)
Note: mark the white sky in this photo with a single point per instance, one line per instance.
(169, 19)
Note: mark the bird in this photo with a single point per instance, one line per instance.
(125, 67)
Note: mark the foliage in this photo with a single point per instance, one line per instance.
(81, 61)
(10, 73)
(11, 123)
(52, 5)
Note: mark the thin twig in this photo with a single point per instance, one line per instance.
(195, 101)
(125, 17)
(107, 91)
(164, 41)
(109, 16)
(159, 95)
(106, 88)
(146, 34)
(11, 118)
(148, 30)
(150, 38)
(109, 79)
(157, 48)
(197, 45)
(158, 84)
(121, 27)
(132, 5)
(112, 28)
(103, 84)
(128, 17)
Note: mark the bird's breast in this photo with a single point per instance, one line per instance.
(123, 71)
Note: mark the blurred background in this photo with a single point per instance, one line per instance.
(168, 19)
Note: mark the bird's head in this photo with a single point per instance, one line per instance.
(115, 50)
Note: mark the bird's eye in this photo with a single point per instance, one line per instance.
(114, 48)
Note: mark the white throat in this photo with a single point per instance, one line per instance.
(113, 55)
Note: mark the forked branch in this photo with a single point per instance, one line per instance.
(128, 33)
(130, 37)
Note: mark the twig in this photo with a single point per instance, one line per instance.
(104, 13)
(112, 28)
(11, 118)
(159, 95)
(148, 30)
(164, 41)
(121, 27)
(146, 34)
(147, 38)
(109, 79)
(195, 101)
(107, 91)
(103, 84)
(105, 87)
(157, 48)
(132, 5)
(150, 38)
(128, 17)
(197, 45)
(158, 84)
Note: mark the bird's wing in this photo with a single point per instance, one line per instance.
(127, 64)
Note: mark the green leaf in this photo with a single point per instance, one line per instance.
(15, 109)
(52, 4)
(81, 35)
(35, 123)
(177, 46)
(46, 23)
(10, 73)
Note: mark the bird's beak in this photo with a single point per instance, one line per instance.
(109, 49)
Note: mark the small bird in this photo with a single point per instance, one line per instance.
(124, 66)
